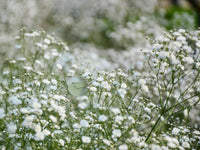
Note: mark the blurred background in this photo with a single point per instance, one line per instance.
(93, 25)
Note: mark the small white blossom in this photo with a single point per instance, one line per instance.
(186, 144)
(122, 92)
(39, 136)
(84, 124)
(47, 41)
(11, 127)
(188, 60)
(107, 142)
(86, 139)
(105, 85)
(123, 147)
(2, 113)
(46, 81)
(53, 118)
(115, 111)
(116, 133)
(62, 142)
(102, 118)
(82, 105)
(175, 131)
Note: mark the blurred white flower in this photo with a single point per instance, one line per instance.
(39, 136)
(11, 128)
(86, 139)
(2, 113)
(123, 147)
(102, 118)
(116, 133)
(84, 124)
(122, 92)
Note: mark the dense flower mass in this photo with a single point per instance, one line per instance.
(100, 109)
(110, 88)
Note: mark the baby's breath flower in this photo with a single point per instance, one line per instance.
(62, 142)
(47, 41)
(39, 136)
(2, 113)
(145, 89)
(86, 139)
(123, 147)
(116, 133)
(11, 128)
(188, 60)
(105, 85)
(107, 142)
(84, 124)
(83, 105)
(115, 111)
(102, 118)
(53, 118)
(46, 132)
(119, 119)
(175, 131)
(14, 100)
(46, 81)
(93, 89)
(122, 92)
(186, 144)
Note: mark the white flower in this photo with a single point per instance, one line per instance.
(59, 66)
(142, 82)
(76, 126)
(116, 133)
(86, 139)
(148, 110)
(11, 127)
(47, 41)
(36, 105)
(100, 79)
(175, 131)
(53, 118)
(119, 119)
(45, 81)
(2, 113)
(123, 85)
(95, 83)
(62, 142)
(188, 60)
(102, 118)
(198, 44)
(107, 142)
(157, 46)
(17, 81)
(38, 128)
(14, 100)
(123, 147)
(105, 85)
(82, 105)
(93, 89)
(163, 54)
(122, 92)
(198, 65)
(28, 121)
(186, 144)
(116, 111)
(46, 132)
(145, 89)
(39, 136)
(84, 124)
(52, 87)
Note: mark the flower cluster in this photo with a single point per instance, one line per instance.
(51, 98)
